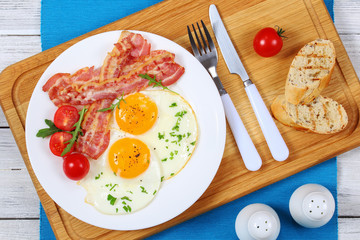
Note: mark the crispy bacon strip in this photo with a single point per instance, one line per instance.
(96, 136)
(129, 47)
(159, 63)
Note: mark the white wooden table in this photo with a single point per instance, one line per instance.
(19, 203)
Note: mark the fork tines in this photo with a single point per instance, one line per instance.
(205, 49)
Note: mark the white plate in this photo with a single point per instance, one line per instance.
(176, 195)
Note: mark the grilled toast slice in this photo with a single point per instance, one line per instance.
(323, 115)
(310, 72)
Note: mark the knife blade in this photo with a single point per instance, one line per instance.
(274, 140)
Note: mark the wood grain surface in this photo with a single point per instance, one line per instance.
(9, 135)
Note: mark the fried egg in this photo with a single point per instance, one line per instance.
(124, 179)
(153, 134)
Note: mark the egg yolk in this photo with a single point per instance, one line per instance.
(129, 157)
(137, 114)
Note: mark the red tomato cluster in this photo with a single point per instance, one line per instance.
(75, 165)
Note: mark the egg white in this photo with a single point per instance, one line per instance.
(131, 194)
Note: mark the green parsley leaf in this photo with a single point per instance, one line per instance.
(126, 198)
(111, 199)
(48, 131)
(193, 143)
(98, 176)
(163, 160)
(112, 107)
(173, 105)
(143, 190)
(172, 174)
(113, 186)
(75, 133)
(180, 114)
(162, 178)
(161, 136)
(126, 208)
(154, 192)
(154, 82)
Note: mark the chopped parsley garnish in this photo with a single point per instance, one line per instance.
(193, 143)
(111, 199)
(98, 176)
(188, 134)
(112, 107)
(154, 82)
(117, 209)
(173, 104)
(162, 178)
(172, 174)
(161, 136)
(179, 137)
(143, 190)
(164, 160)
(176, 152)
(126, 198)
(154, 192)
(127, 208)
(180, 114)
(113, 186)
(176, 127)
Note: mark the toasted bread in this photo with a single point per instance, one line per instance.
(323, 115)
(310, 72)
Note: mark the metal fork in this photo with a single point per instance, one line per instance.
(206, 53)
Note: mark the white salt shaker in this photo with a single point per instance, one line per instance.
(257, 221)
(312, 205)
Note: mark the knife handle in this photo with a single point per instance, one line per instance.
(246, 147)
(273, 138)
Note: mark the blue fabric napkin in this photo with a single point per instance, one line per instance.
(67, 19)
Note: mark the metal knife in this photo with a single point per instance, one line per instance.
(273, 138)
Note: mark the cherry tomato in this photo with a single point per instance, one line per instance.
(268, 41)
(57, 143)
(76, 166)
(65, 117)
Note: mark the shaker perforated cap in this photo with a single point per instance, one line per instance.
(257, 221)
(312, 205)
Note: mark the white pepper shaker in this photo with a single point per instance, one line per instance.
(257, 222)
(312, 205)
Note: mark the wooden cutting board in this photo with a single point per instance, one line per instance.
(304, 21)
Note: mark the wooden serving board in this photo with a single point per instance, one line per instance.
(304, 21)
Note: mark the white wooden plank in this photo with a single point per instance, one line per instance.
(352, 46)
(20, 17)
(9, 152)
(3, 122)
(18, 197)
(16, 48)
(347, 16)
(349, 183)
(19, 229)
(349, 228)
